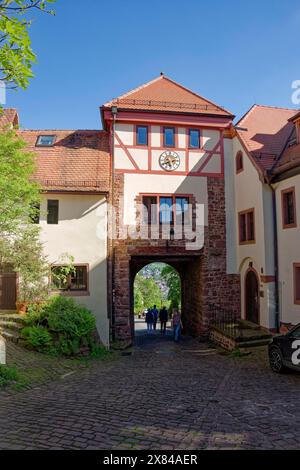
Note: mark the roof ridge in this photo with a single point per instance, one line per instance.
(246, 114)
(62, 130)
(160, 77)
(195, 94)
(275, 107)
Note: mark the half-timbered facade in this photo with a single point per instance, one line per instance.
(170, 178)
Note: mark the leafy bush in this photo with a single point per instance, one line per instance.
(37, 336)
(33, 316)
(7, 374)
(61, 325)
(65, 316)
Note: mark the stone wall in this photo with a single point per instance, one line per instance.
(203, 273)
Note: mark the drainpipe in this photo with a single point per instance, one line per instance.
(114, 112)
(276, 264)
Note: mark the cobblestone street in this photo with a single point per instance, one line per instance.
(163, 396)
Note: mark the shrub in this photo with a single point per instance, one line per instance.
(7, 374)
(33, 316)
(65, 316)
(37, 336)
(60, 326)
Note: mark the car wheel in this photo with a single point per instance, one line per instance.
(276, 361)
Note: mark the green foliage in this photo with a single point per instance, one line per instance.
(147, 292)
(7, 375)
(37, 336)
(171, 277)
(16, 55)
(18, 193)
(66, 316)
(69, 325)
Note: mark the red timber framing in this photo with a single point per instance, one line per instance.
(162, 120)
(217, 150)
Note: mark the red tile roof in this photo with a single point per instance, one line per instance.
(78, 161)
(8, 117)
(163, 94)
(265, 130)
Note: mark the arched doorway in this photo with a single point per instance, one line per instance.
(252, 296)
(157, 284)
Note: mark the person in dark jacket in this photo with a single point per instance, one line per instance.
(149, 320)
(163, 318)
(155, 316)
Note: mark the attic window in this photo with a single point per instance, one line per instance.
(45, 140)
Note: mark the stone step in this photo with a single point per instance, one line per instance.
(253, 343)
(254, 337)
(15, 318)
(11, 325)
(10, 335)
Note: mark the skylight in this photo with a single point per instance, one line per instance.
(45, 140)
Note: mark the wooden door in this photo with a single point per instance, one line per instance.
(252, 297)
(8, 291)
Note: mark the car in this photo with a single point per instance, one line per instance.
(284, 351)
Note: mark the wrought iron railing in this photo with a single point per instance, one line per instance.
(226, 321)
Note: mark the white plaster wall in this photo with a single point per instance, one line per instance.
(125, 132)
(81, 233)
(289, 253)
(161, 184)
(251, 193)
(230, 206)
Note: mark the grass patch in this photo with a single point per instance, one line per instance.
(7, 375)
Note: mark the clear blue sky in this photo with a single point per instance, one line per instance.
(235, 53)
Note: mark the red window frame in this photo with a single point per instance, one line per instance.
(246, 220)
(239, 162)
(285, 210)
(158, 197)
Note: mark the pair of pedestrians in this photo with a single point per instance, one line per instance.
(151, 318)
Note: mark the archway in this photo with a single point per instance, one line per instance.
(252, 296)
(155, 285)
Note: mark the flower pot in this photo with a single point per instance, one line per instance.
(22, 307)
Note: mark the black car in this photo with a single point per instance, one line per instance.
(284, 351)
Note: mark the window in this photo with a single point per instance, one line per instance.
(52, 216)
(297, 283)
(75, 281)
(169, 137)
(247, 226)
(166, 210)
(171, 209)
(194, 139)
(182, 210)
(150, 210)
(45, 141)
(239, 160)
(142, 135)
(35, 213)
(288, 208)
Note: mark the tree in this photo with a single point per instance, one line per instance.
(19, 195)
(16, 54)
(148, 290)
(172, 280)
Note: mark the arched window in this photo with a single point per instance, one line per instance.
(239, 161)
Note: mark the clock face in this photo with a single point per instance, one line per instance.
(169, 161)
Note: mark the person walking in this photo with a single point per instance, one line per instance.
(177, 325)
(149, 320)
(155, 316)
(163, 318)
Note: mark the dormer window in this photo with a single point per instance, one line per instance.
(45, 141)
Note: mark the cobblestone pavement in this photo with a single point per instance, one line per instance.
(163, 396)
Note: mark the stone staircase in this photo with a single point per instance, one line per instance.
(11, 324)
